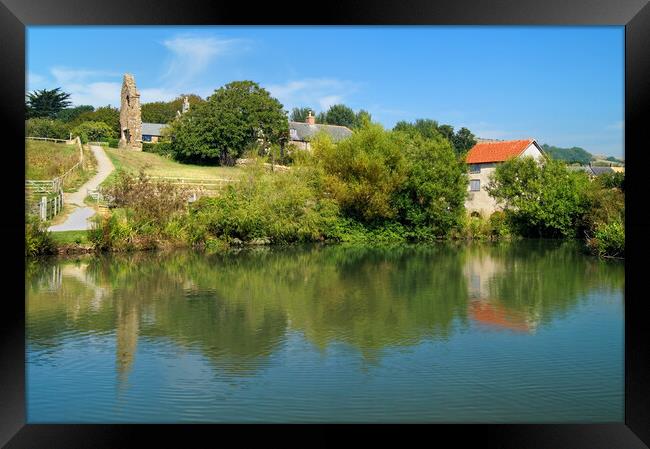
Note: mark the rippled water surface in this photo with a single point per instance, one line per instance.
(525, 332)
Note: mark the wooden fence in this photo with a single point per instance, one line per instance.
(56, 184)
(45, 206)
(68, 141)
(195, 186)
(49, 186)
(211, 183)
(45, 197)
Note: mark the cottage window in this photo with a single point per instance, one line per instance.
(293, 133)
(474, 185)
(474, 168)
(146, 138)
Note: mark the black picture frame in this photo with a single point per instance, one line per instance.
(15, 15)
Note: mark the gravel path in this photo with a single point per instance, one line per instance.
(78, 219)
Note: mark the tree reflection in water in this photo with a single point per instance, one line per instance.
(238, 308)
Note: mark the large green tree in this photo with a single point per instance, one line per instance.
(93, 132)
(45, 127)
(46, 103)
(166, 111)
(431, 202)
(426, 128)
(544, 200)
(341, 115)
(235, 118)
(462, 140)
(362, 119)
(299, 114)
(380, 177)
(106, 114)
(69, 114)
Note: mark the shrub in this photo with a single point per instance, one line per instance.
(152, 201)
(281, 206)
(104, 114)
(38, 240)
(363, 172)
(494, 227)
(544, 200)
(472, 227)
(112, 232)
(612, 180)
(113, 143)
(604, 205)
(499, 225)
(44, 127)
(380, 176)
(161, 148)
(93, 131)
(608, 240)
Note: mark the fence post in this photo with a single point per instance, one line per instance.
(43, 211)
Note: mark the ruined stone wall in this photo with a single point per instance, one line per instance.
(130, 115)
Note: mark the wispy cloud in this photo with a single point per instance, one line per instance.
(35, 81)
(94, 87)
(616, 126)
(192, 54)
(157, 94)
(98, 93)
(312, 92)
(67, 75)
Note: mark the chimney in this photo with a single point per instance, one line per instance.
(311, 119)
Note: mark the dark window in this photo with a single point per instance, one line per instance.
(474, 185)
(146, 138)
(474, 168)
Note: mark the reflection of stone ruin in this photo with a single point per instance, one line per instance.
(130, 116)
(126, 335)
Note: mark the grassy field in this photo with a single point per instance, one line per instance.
(78, 177)
(47, 160)
(156, 165)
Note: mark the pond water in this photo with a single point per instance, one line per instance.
(524, 332)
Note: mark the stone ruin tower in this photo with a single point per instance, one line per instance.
(185, 107)
(130, 115)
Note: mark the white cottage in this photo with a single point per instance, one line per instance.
(483, 159)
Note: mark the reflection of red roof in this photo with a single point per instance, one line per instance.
(496, 151)
(498, 316)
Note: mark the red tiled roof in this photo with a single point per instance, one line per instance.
(496, 151)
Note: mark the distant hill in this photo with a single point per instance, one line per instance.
(569, 155)
(614, 159)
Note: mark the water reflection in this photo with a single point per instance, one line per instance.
(238, 309)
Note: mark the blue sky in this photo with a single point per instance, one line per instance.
(561, 85)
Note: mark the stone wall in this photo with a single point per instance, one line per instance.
(481, 201)
(130, 115)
